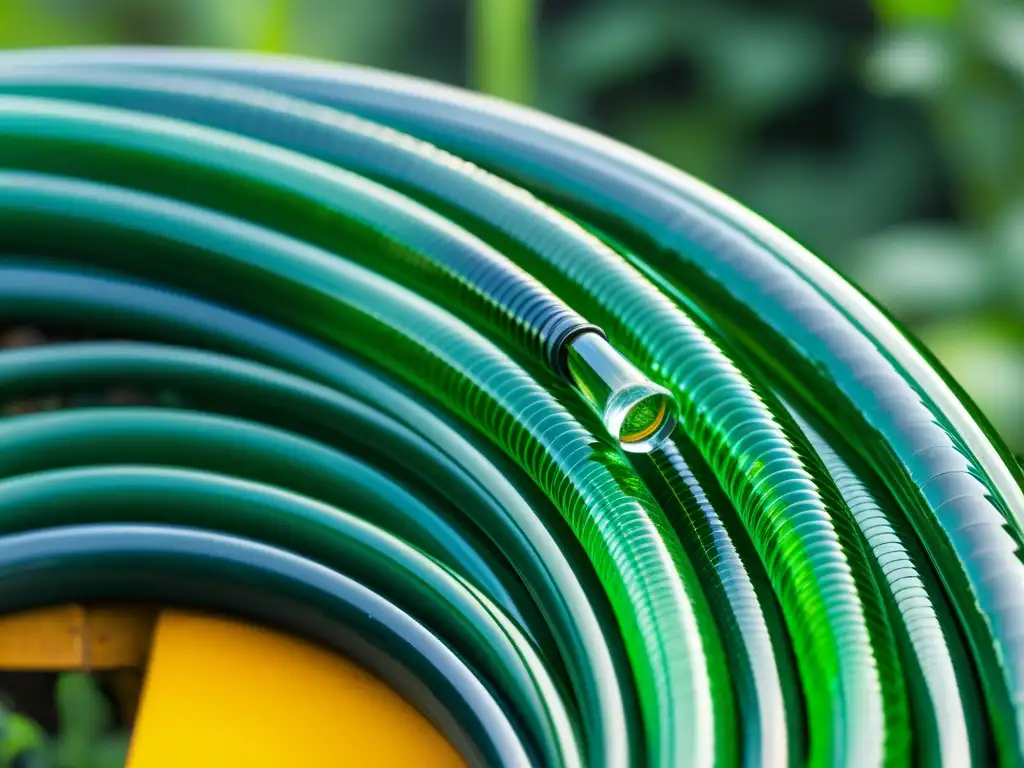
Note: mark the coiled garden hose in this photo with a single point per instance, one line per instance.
(771, 532)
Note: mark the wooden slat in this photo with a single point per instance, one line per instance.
(76, 637)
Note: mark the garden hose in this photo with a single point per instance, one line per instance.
(591, 464)
(184, 565)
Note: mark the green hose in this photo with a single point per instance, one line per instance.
(935, 659)
(119, 493)
(180, 565)
(430, 350)
(455, 386)
(433, 454)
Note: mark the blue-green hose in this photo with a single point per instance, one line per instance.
(400, 296)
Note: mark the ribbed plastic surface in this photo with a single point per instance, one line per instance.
(758, 591)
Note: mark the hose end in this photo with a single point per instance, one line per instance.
(641, 418)
(639, 414)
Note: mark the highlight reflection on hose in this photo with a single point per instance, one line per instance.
(469, 377)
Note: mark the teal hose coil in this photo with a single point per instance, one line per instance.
(593, 465)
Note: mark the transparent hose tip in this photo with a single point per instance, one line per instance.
(638, 413)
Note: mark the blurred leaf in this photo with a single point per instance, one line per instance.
(228, 23)
(988, 361)
(914, 11)
(701, 140)
(606, 44)
(1008, 246)
(760, 66)
(502, 35)
(830, 200)
(112, 751)
(981, 129)
(917, 62)
(349, 30)
(1001, 34)
(85, 717)
(924, 269)
(275, 35)
(26, 23)
(377, 32)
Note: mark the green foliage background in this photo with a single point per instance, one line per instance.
(886, 135)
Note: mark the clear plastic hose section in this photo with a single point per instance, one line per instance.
(592, 465)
